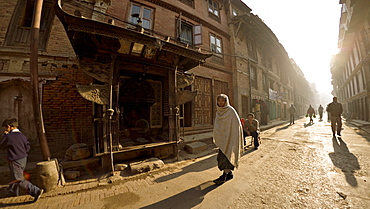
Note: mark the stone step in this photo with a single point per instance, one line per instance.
(196, 147)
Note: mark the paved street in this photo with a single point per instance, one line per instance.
(298, 166)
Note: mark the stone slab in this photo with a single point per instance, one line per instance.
(146, 165)
(70, 175)
(196, 147)
(120, 166)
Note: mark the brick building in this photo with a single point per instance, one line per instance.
(67, 115)
(266, 80)
(185, 31)
(350, 67)
(157, 65)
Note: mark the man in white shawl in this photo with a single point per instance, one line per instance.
(228, 137)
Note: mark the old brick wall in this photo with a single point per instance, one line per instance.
(67, 116)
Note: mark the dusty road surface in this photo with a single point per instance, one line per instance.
(297, 166)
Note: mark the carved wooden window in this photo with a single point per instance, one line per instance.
(156, 108)
(144, 14)
(19, 31)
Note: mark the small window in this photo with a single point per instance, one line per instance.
(213, 8)
(190, 34)
(253, 76)
(186, 34)
(19, 31)
(235, 12)
(216, 45)
(144, 14)
(188, 2)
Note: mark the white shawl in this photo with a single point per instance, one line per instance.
(228, 133)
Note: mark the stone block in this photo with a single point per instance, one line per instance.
(196, 147)
(146, 165)
(120, 167)
(78, 151)
(70, 175)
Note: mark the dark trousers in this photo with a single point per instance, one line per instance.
(17, 179)
(255, 135)
(311, 120)
(222, 162)
(336, 124)
(291, 118)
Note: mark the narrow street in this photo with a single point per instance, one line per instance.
(297, 166)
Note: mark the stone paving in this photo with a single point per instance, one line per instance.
(78, 193)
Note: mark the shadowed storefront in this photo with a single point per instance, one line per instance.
(138, 81)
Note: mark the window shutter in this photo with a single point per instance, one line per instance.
(178, 26)
(197, 33)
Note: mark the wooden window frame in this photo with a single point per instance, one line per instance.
(19, 31)
(190, 3)
(214, 46)
(214, 8)
(133, 20)
(196, 33)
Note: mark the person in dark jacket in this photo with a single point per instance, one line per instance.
(310, 113)
(335, 109)
(321, 110)
(291, 114)
(17, 146)
(251, 128)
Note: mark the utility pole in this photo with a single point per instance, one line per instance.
(34, 79)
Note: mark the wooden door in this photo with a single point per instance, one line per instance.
(220, 87)
(203, 102)
(16, 102)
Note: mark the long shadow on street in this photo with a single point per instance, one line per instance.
(15, 204)
(363, 131)
(346, 161)
(186, 199)
(307, 124)
(282, 128)
(199, 166)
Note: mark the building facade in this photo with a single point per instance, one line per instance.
(67, 115)
(350, 67)
(162, 52)
(266, 82)
(132, 77)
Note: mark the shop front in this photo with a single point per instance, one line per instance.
(137, 89)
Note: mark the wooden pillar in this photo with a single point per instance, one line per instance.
(34, 78)
(172, 104)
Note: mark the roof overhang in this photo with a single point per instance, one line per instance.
(90, 38)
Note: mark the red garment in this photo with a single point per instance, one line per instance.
(242, 121)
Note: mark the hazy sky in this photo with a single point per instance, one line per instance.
(308, 30)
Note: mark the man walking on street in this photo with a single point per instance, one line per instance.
(335, 109)
(17, 146)
(291, 114)
(321, 110)
(310, 113)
